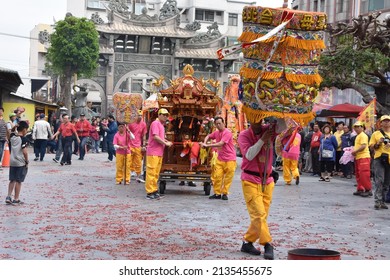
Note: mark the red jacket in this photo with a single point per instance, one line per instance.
(83, 128)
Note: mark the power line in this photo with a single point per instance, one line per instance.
(18, 36)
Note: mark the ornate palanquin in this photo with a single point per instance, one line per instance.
(192, 105)
(190, 101)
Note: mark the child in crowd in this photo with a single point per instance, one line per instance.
(18, 163)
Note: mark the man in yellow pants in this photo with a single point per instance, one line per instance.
(225, 165)
(256, 144)
(155, 152)
(138, 128)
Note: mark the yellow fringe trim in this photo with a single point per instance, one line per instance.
(255, 116)
(247, 37)
(315, 79)
(254, 74)
(250, 73)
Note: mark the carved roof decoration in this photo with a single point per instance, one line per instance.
(188, 81)
(95, 18)
(212, 34)
(190, 96)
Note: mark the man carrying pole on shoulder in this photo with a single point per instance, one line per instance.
(256, 144)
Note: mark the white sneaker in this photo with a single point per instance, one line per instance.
(140, 180)
(133, 174)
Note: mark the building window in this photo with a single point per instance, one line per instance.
(322, 6)
(145, 45)
(233, 20)
(199, 14)
(340, 6)
(208, 15)
(376, 5)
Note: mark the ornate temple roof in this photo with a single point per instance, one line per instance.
(168, 30)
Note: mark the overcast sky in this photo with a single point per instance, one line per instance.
(18, 17)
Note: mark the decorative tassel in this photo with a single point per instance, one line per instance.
(254, 74)
(315, 79)
(255, 116)
(288, 41)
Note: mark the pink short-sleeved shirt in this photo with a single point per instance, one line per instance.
(227, 152)
(122, 141)
(139, 130)
(155, 148)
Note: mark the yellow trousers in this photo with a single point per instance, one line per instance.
(136, 160)
(122, 166)
(290, 169)
(223, 176)
(153, 167)
(258, 203)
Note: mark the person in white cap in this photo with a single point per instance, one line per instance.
(154, 153)
(138, 128)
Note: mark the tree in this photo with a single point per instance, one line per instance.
(74, 50)
(358, 56)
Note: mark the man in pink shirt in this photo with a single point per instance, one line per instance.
(154, 153)
(138, 128)
(256, 145)
(226, 161)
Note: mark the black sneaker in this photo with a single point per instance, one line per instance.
(36, 159)
(214, 196)
(224, 197)
(364, 194)
(369, 193)
(358, 193)
(268, 252)
(191, 184)
(384, 206)
(181, 183)
(150, 196)
(297, 180)
(377, 205)
(247, 247)
(8, 200)
(17, 202)
(55, 160)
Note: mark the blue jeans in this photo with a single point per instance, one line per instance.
(83, 142)
(59, 148)
(2, 142)
(40, 148)
(110, 150)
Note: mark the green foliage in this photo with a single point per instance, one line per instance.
(347, 64)
(74, 47)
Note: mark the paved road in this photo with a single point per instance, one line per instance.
(77, 212)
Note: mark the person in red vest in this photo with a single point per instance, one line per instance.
(83, 128)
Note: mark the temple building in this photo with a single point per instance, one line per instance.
(156, 40)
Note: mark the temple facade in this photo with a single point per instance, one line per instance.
(158, 40)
